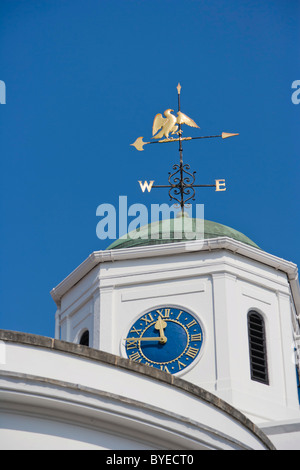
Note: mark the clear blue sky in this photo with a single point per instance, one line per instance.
(84, 79)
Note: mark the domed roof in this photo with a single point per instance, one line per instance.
(177, 230)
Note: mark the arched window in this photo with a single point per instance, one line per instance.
(257, 348)
(85, 338)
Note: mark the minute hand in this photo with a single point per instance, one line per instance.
(162, 339)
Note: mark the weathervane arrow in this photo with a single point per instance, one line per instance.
(181, 182)
(139, 143)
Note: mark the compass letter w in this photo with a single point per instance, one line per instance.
(146, 185)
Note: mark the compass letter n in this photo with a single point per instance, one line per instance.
(146, 185)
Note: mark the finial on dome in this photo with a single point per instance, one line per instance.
(182, 214)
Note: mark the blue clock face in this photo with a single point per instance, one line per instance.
(167, 338)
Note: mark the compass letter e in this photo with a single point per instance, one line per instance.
(220, 185)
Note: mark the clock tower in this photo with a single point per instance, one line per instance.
(219, 312)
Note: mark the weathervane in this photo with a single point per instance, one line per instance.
(181, 182)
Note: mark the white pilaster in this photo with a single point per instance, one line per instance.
(95, 343)
(57, 324)
(224, 296)
(106, 330)
(289, 367)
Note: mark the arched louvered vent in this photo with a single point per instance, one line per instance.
(257, 348)
(85, 338)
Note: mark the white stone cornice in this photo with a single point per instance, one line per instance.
(168, 249)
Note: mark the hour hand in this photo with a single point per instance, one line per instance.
(160, 325)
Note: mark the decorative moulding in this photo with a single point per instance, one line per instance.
(168, 249)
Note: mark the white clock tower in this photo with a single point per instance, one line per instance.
(245, 301)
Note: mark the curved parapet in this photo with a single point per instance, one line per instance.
(59, 395)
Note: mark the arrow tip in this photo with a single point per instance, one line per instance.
(225, 135)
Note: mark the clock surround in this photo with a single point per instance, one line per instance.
(166, 337)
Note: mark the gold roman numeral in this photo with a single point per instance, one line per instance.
(134, 330)
(192, 352)
(192, 323)
(147, 318)
(164, 368)
(179, 315)
(180, 364)
(196, 337)
(167, 312)
(135, 357)
(131, 344)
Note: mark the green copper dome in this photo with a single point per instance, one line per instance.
(177, 230)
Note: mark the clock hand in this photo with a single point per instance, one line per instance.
(160, 325)
(161, 339)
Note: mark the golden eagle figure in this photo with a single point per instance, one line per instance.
(169, 123)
